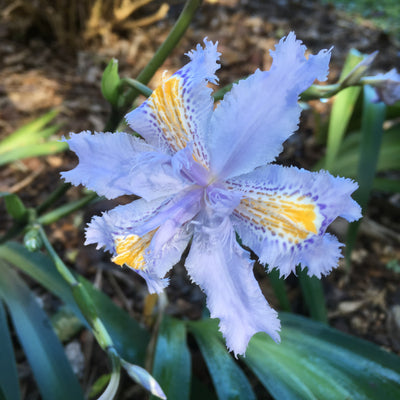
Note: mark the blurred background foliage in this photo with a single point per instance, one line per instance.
(72, 22)
(385, 13)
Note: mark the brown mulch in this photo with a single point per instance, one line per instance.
(37, 75)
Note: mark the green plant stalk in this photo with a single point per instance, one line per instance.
(279, 287)
(313, 295)
(136, 85)
(32, 150)
(342, 110)
(54, 196)
(159, 57)
(19, 137)
(372, 130)
(81, 296)
(66, 209)
(86, 305)
(50, 217)
(314, 92)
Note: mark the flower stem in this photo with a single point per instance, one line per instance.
(315, 92)
(159, 57)
(136, 85)
(58, 193)
(81, 296)
(313, 295)
(278, 284)
(66, 209)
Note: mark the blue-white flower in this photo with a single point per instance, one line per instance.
(203, 173)
(387, 86)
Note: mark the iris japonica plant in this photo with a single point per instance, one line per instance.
(204, 174)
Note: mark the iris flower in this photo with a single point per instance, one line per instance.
(204, 175)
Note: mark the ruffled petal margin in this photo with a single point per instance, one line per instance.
(104, 161)
(114, 164)
(262, 111)
(225, 273)
(178, 111)
(148, 237)
(284, 214)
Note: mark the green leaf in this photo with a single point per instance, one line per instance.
(201, 391)
(34, 150)
(99, 385)
(8, 369)
(371, 138)
(129, 337)
(43, 350)
(172, 363)
(110, 82)
(386, 185)
(347, 161)
(314, 361)
(278, 284)
(342, 110)
(14, 206)
(29, 133)
(372, 130)
(229, 380)
(313, 294)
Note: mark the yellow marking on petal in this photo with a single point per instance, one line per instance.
(167, 104)
(131, 250)
(286, 216)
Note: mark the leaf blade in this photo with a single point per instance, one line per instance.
(46, 356)
(9, 382)
(342, 110)
(315, 361)
(229, 380)
(172, 362)
(118, 323)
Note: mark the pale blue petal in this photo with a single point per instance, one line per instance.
(224, 271)
(179, 110)
(174, 230)
(259, 113)
(104, 161)
(155, 284)
(154, 174)
(167, 217)
(284, 214)
(173, 216)
(387, 86)
(113, 164)
(184, 165)
(123, 221)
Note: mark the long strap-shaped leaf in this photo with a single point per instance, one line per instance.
(342, 110)
(229, 380)
(172, 363)
(8, 370)
(44, 351)
(129, 337)
(314, 361)
(372, 130)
